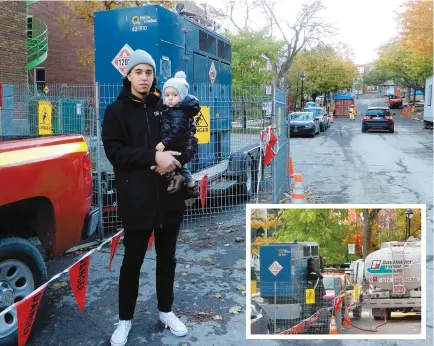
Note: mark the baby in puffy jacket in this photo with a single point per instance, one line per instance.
(178, 129)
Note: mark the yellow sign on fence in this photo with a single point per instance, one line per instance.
(44, 118)
(310, 296)
(356, 292)
(203, 125)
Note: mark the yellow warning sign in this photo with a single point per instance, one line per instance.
(310, 296)
(203, 128)
(356, 292)
(44, 118)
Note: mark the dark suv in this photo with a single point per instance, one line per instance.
(378, 118)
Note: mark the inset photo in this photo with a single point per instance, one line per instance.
(346, 271)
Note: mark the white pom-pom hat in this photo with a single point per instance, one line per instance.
(179, 83)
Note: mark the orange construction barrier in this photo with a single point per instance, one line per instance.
(347, 320)
(333, 329)
(298, 195)
(291, 168)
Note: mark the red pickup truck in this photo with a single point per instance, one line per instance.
(46, 192)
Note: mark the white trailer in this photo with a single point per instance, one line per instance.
(428, 109)
(394, 276)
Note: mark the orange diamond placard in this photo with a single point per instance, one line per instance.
(121, 59)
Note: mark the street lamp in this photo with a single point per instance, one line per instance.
(409, 215)
(302, 77)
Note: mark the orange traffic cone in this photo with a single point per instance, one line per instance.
(333, 329)
(291, 168)
(298, 195)
(347, 320)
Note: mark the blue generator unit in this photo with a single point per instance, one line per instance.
(285, 269)
(176, 42)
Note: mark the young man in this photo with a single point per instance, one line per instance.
(130, 133)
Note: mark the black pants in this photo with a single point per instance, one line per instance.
(136, 243)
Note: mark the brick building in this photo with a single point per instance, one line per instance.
(63, 61)
(13, 18)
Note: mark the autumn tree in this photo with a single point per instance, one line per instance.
(327, 69)
(306, 30)
(376, 77)
(403, 65)
(416, 27)
(323, 226)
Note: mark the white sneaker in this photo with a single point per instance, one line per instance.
(120, 335)
(170, 320)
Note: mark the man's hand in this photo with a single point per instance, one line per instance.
(166, 161)
(160, 147)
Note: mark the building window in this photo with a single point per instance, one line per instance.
(40, 78)
(29, 27)
(361, 70)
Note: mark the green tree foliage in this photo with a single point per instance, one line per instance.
(324, 226)
(327, 69)
(376, 77)
(403, 65)
(248, 63)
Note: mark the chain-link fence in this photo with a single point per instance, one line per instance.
(229, 153)
(296, 307)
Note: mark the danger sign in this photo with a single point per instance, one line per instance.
(202, 122)
(120, 61)
(212, 73)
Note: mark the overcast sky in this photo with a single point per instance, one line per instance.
(362, 24)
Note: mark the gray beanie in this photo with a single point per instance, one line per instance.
(179, 83)
(140, 57)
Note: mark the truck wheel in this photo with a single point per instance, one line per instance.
(22, 270)
(357, 313)
(249, 180)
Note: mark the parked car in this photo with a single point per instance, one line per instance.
(259, 321)
(46, 194)
(321, 115)
(303, 123)
(378, 118)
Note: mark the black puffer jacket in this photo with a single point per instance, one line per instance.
(130, 133)
(178, 126)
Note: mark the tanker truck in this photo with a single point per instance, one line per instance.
(394, 276)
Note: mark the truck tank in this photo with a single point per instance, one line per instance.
(399, 261)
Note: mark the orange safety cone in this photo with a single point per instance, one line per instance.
(347, 320)
(298, 195)
(291, 168)
(333, 329)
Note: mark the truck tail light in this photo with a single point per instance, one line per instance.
(87, 174)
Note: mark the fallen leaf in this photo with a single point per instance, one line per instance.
(183, 273)
(187, 266)
(100, 308)
(218, 295)
(217, 318)
(203, 313)
(227, 244)
(229, 231)
(184, 345)
(241, 287)
(207, 259)
(235, 310)
(58, 285)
